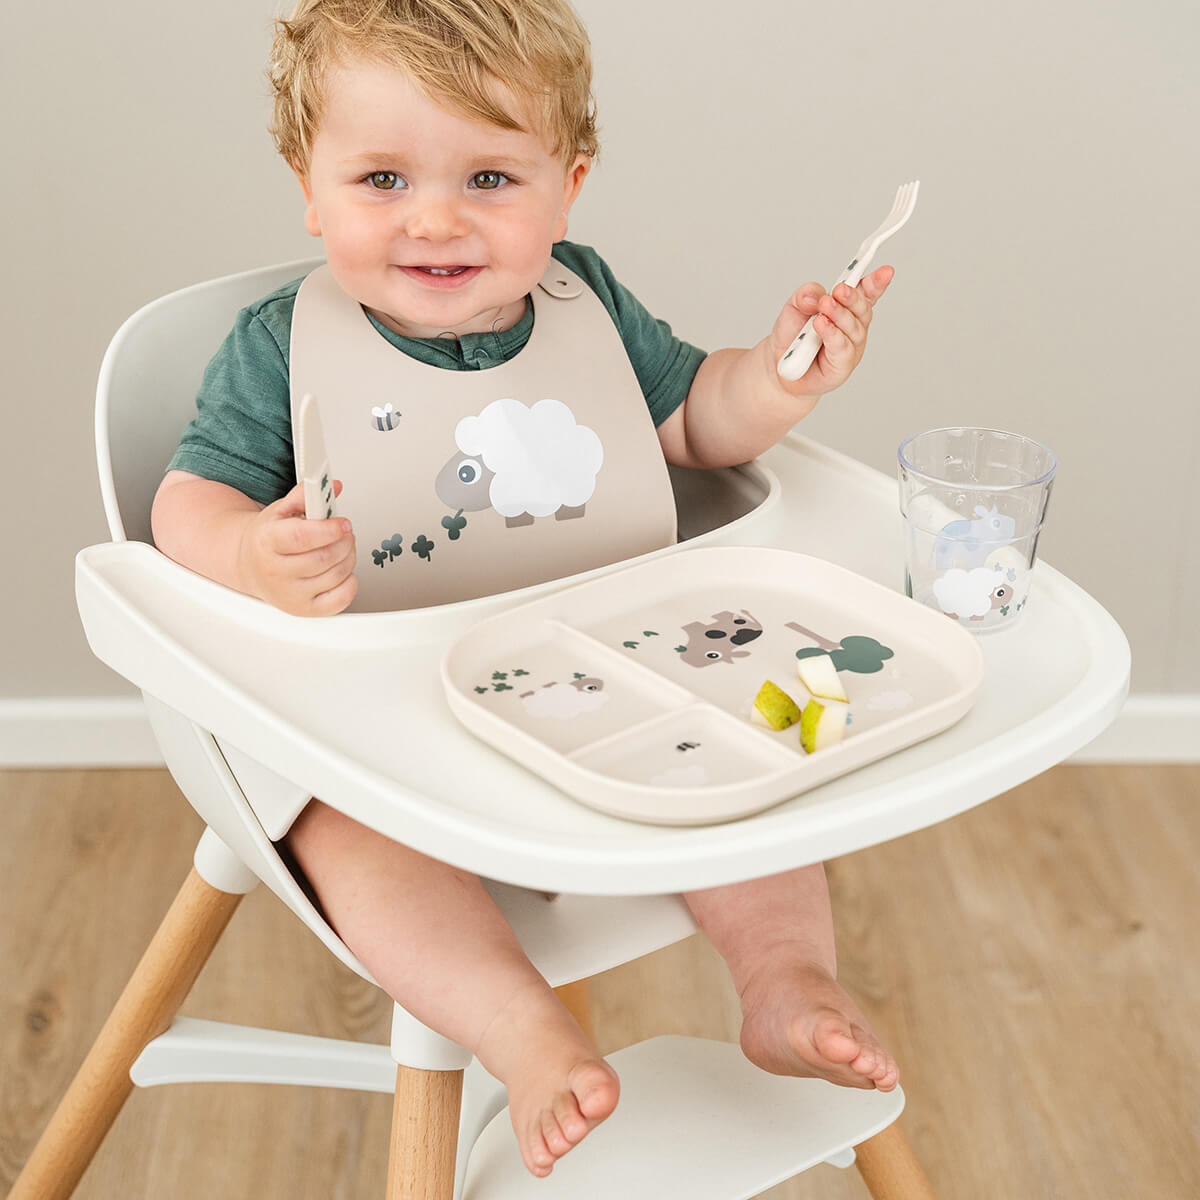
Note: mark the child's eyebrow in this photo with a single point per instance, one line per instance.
(370, 158)
(483, 159)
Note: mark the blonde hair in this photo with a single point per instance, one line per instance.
(456, 51)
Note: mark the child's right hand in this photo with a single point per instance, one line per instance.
(303, 567)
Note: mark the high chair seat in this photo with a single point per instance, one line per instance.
(256, 711)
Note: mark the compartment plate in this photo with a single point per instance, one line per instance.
(633, 692)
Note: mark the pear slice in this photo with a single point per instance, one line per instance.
(820, 676)
(774, 708)
(822, 725)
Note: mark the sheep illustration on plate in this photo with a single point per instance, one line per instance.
(583, 694)
(525, 462)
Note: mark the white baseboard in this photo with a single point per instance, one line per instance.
(114, 732)
(1151, 728)
(107, 731)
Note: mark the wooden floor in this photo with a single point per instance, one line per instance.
(1034, 965)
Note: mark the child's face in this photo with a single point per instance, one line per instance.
(432, 222)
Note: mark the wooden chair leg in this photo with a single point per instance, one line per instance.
(578, 1002)
(185, 939)
(424, 1142)
(890, 1169)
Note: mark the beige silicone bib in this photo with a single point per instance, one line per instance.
(465, 483)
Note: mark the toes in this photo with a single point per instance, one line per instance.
(834, 1039)
(595, 1089)
(864, 1064)
(572, 1123)
(536, 1154)
(889, 1075)
(556, 1140)
(823, 1035)
(875, 1063)
(867, 1064)
(549, 1132)
(868, 1060)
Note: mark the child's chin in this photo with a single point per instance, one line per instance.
(431, 321)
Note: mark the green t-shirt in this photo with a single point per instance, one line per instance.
(242, 432)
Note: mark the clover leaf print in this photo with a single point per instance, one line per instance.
(454, 525)
(389, 549)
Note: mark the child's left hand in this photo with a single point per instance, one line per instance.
(843, 317)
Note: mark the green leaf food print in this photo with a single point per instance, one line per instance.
(860, 655)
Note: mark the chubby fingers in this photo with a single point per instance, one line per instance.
(288, 532)
(874, 285)
(847, 311)
(314, 564)
(806, 299)
(334, 588)
(315, 551)
(319, 581)
(858, 301)
(305, 567)
(300, 538)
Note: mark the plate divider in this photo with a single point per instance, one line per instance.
(770, 751)
(683, 696)
(688, 700)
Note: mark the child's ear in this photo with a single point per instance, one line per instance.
(572, 185)
(311, 221)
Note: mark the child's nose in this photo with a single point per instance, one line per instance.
(436, 218)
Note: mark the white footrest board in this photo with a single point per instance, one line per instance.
(695, 1119)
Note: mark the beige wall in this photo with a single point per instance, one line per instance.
(1038, 284)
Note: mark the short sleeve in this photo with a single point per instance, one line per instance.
(241, 435)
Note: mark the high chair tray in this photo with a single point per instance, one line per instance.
(634, 692)
(352, 708)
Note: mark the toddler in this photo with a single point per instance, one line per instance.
(439, 145)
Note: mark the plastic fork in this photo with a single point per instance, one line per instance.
(799, 355)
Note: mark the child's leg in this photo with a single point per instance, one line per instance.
(436, 942)
(776, 935)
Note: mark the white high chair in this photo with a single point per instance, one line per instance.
(255, 711)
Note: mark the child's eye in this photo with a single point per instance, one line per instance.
(487, 181)
(385, 181)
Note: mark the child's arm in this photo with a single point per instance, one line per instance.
(303, 567)
(738, 406)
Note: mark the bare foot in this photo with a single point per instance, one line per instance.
(796, 1020)
(559, 1088)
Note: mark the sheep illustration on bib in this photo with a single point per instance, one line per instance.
(523, 461)
(519, 500)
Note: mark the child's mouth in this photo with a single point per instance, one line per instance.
(442, 277)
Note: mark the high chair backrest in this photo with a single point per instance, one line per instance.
(146, 392)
